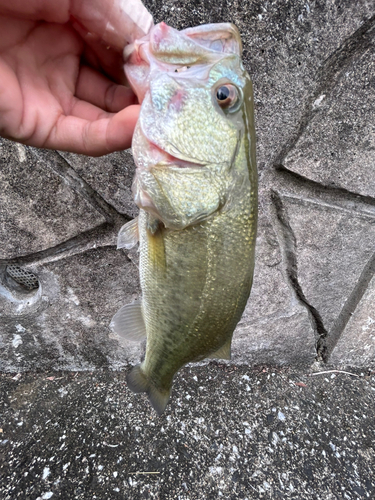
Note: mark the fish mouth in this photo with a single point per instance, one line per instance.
(176, 160)
(168, 155)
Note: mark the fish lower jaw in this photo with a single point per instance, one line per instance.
(164, 159)
(177, 162)
(152, 154)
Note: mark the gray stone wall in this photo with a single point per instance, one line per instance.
(313, 68)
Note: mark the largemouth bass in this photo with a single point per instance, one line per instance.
(196, 187)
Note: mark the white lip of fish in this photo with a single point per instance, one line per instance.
(159, 156)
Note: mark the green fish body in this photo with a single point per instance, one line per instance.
(196, 187)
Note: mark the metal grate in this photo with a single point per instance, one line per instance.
(22, 276)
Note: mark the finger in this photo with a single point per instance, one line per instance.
(98, 90)
(55, 12)
(117, 22)
(102, 57)
(94, 138)
(10, 100)
(87, 111)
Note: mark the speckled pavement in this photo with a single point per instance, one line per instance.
(229, 432)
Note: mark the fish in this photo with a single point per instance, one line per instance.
(196, 189)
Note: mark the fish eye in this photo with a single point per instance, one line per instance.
(227, 96)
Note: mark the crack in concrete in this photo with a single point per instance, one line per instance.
(332, 196)
(335, 197)
(288, 249)
(349, 307)
(102, 236)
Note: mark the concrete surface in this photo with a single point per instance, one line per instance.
(312, 64)
(229, 432)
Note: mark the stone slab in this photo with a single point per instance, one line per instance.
(338, 146)
(65, 323)
(329, 259)
(111, 176)
(356, 345)
(38, 208)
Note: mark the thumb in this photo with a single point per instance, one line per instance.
(94, 138)
(121, 128)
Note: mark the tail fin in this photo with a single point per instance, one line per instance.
(138, 382)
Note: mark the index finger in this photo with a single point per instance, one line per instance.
(93, 137)
(116, 22)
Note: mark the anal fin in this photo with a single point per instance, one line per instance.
(128, 322)
(224, 352)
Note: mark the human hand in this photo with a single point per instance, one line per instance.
(61, 76)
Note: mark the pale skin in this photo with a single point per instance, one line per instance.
(61, 74)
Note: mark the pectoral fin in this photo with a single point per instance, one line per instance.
(128, 235)
(128, 322)
(223, 352)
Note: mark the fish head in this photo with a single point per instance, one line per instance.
(196, 99)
